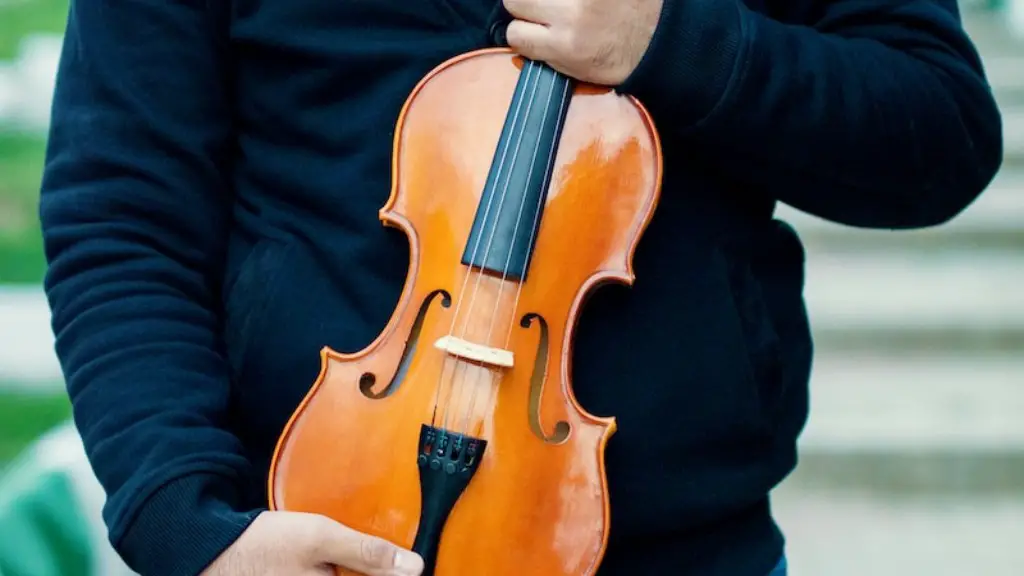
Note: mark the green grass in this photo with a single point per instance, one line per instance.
(21, 155)
(21, 17)
(24, 417)
(21, 250)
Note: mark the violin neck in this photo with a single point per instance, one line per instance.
(504, 231)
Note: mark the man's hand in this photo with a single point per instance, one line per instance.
(597, 41)
(299, 544)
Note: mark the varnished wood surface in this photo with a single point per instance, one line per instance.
(537, 505)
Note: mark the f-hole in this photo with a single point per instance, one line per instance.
(537, 379)
(368, 379)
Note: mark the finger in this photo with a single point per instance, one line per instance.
(345, 547)
(533, 41)
(529, 10)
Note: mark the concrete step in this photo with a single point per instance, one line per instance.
(1002, 51)
(914, 424)
(852, 534)
(921, 292)
(1013, 134)
(995, 221)
(992, 32)
(953, 287)
(912, 471)
(863, 401)
(1006, 75)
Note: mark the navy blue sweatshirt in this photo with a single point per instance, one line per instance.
(209, 208)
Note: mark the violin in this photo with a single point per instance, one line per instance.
(456, 432)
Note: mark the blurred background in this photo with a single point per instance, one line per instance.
(913, 460)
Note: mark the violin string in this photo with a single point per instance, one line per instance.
(474, 387)
(566, 93)
(458, 375)
(480, 274)
(562, 109)
(469, 270)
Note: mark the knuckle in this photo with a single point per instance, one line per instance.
(513, 35)
(376, 552)
(521, 44)
(314, 535)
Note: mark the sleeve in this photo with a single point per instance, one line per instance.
(876, 113)
(134, 215)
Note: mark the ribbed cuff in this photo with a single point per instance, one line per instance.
(182, 528)
(690, 61)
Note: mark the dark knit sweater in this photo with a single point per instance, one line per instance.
(210, 207)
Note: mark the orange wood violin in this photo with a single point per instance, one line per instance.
(456, 432)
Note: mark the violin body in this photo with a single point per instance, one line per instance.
(456, 432)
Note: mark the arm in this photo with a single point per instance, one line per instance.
(134, 216)
(876, 114)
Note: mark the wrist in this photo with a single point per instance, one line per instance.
(182, 527)
(691, 59)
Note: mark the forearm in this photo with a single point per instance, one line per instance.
(134, 223)
(877, 115)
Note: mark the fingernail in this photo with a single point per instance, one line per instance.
(408, 563)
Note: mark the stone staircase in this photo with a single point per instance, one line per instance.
(1003, 54)
(913, 458)
(918, 382)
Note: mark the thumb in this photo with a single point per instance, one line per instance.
(370, 555)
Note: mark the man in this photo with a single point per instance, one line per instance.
(210, 216)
